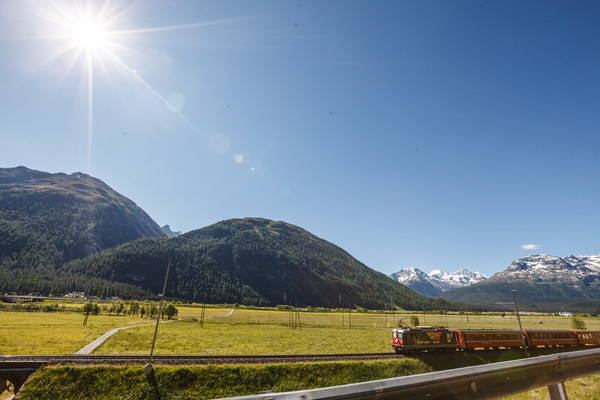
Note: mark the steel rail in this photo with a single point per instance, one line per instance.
(187, 360)
(490, 381)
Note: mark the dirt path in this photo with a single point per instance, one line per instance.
(90, 347)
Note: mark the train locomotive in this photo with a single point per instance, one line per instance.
(418, 339)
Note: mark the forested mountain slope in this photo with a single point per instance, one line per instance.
(253, 261)
(49, 219)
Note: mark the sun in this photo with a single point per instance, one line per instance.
(89, 35)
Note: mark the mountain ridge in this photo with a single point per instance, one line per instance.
(437, 281)
(72, 232)
(542, 282)
(47, 220)
(254, 261)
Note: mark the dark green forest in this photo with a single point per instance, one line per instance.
(47, 220)
(255, 262)
(63, 233)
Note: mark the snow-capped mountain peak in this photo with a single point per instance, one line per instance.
(437, 281)
(545, 268)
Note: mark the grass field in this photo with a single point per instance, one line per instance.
(53, 333)
(267, 332)
(252, 332)
(243, 332)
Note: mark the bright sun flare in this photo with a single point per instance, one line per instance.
(85, 34)
(89, 34)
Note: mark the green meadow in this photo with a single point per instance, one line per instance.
(256, 332)
(246, 331)
(243, 332)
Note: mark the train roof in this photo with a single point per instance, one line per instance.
(424, 329)
(489, 330)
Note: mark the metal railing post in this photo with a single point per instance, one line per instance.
(520, 326)
(557, 391)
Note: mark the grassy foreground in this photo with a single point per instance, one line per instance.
(209, 382)
(205, 382)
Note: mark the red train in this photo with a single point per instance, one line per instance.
(440, 339)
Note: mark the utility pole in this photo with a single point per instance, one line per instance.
(202, 315)
(349, 316)
(148, 369)
(519, 319)
(298, 316)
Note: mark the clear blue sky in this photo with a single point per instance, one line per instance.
(434, 134)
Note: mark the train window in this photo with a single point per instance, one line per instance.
(434, 337)
(399, 335)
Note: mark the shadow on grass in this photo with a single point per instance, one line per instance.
(151, 377)
(444, 361)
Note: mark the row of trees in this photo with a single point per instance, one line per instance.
(144, 309)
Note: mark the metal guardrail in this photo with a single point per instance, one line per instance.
(490, 381)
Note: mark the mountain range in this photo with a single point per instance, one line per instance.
(437, 281)
(62, 233)
(542, 282)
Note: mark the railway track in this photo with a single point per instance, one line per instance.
(192, 360)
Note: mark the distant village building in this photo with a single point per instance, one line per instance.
(565, 314)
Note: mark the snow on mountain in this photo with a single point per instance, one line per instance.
(575, 270)
(437, 281)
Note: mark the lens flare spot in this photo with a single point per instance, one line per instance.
(238, 158)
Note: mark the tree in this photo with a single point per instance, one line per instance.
(91, 308)
(134, 306)
(171, 311)
(414, 320)
(152, 310)
(577, 323)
